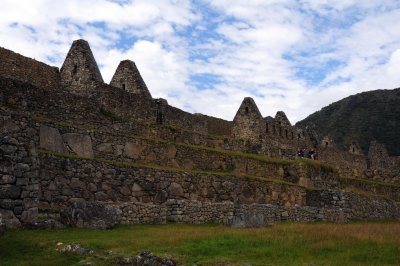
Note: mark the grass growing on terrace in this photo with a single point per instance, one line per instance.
(165, 168)
(258, 157)
(282, 244)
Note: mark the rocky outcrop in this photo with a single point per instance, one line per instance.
(145, 258)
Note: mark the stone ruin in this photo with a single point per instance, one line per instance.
(77, 151)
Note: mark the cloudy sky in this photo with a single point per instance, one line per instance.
(205, 56)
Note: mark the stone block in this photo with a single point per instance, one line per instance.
(171, 151)
(18, 210)
(30, 216)
(8, 219)
(66, 191)
(105, 147)
(8, 127)
(22, 167)
(50, 139)
(101, 196)
(175, 190)
(119, 150)
(22, 181)
(79, 144)
(133, 150)
(76, 183)
(8, 149)
(10, 192)
(125, 191)
(136, 187)
(30, 203)
(7, 179)
(7, 204)
(91, 215)
(248, 220)
(92, 187)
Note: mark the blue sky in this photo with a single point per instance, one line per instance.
(206, 56)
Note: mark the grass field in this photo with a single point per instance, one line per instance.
(281, 244)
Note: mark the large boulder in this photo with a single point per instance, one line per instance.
(50, 139)
(95, 215)
(79, 144)
(146, 258)
(248, 220)
(8, 219)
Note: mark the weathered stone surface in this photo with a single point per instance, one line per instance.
(171, 151)
(79, 144)
(145, 258)
(8, 149)
(76, 183)
(74, 248)
(133, 150)
(8, 219)
(91, 215)
(10, 192)
(248, 220)
(80, 69)
(29, 216)
(136, 187)
(50, 139)
(105, 147)
(119, 150)
(2, 229)
(128, 78)
(7, 179)
(175, 190)
(8, 127)
(47, 224)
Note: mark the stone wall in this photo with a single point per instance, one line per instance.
(28, 70)
(331, 206)
(391, 191)
(19, 170)
(126, 148)
(388, 175)
(155, 195)
(196, 122)
(92, 142)
(348, 164)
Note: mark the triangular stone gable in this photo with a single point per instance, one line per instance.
(127, 77)
(248, 122)
(248, 109)
(80, 67)
(282, 119)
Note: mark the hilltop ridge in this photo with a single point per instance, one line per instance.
(364, 117)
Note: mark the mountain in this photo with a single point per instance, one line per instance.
(367, 116)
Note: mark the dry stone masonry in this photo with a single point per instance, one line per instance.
(75, 151)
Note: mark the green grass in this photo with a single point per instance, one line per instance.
(282, 244)
(350, 180)
(44, 119)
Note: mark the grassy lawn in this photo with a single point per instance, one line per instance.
(281, 244)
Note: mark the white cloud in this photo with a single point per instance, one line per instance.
(262, 49)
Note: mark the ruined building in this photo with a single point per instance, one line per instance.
(77, 151)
